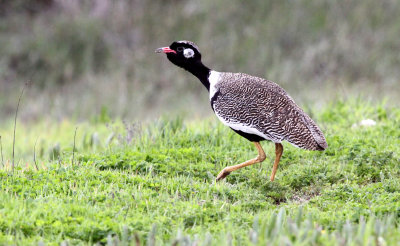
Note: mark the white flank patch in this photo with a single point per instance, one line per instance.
(213, 78)
(246, 129)
(188, 53)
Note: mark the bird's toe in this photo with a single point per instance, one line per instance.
(222, 174)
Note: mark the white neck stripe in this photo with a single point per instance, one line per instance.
(214, 78)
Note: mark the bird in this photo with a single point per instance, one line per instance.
(255, 108)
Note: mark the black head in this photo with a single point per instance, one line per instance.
(182, 53)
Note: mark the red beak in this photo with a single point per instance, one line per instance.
(165, 50)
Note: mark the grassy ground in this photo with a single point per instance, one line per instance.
(154, 184)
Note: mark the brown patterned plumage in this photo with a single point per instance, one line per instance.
(255, 108)
(261, 104)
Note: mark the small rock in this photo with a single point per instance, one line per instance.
(367, 122)
(364, 123)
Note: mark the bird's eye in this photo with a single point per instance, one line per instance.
(188, 53)
(179, 49)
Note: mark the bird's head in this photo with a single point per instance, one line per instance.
(182, 53)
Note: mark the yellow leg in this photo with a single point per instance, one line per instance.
(278, 154)
(227, 170)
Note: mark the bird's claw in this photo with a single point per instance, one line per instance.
(222, 174)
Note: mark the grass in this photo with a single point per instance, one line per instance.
(154, 184)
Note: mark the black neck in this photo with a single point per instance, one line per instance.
(201, 72)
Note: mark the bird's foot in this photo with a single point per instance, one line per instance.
(222, 174)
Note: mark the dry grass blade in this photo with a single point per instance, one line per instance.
(34, 155)
(15, 126)
(73, 149)
(1, 152)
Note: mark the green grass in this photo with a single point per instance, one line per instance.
(154, 184)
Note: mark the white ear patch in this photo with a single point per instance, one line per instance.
(188, 53)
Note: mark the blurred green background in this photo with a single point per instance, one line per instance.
(83, 58)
